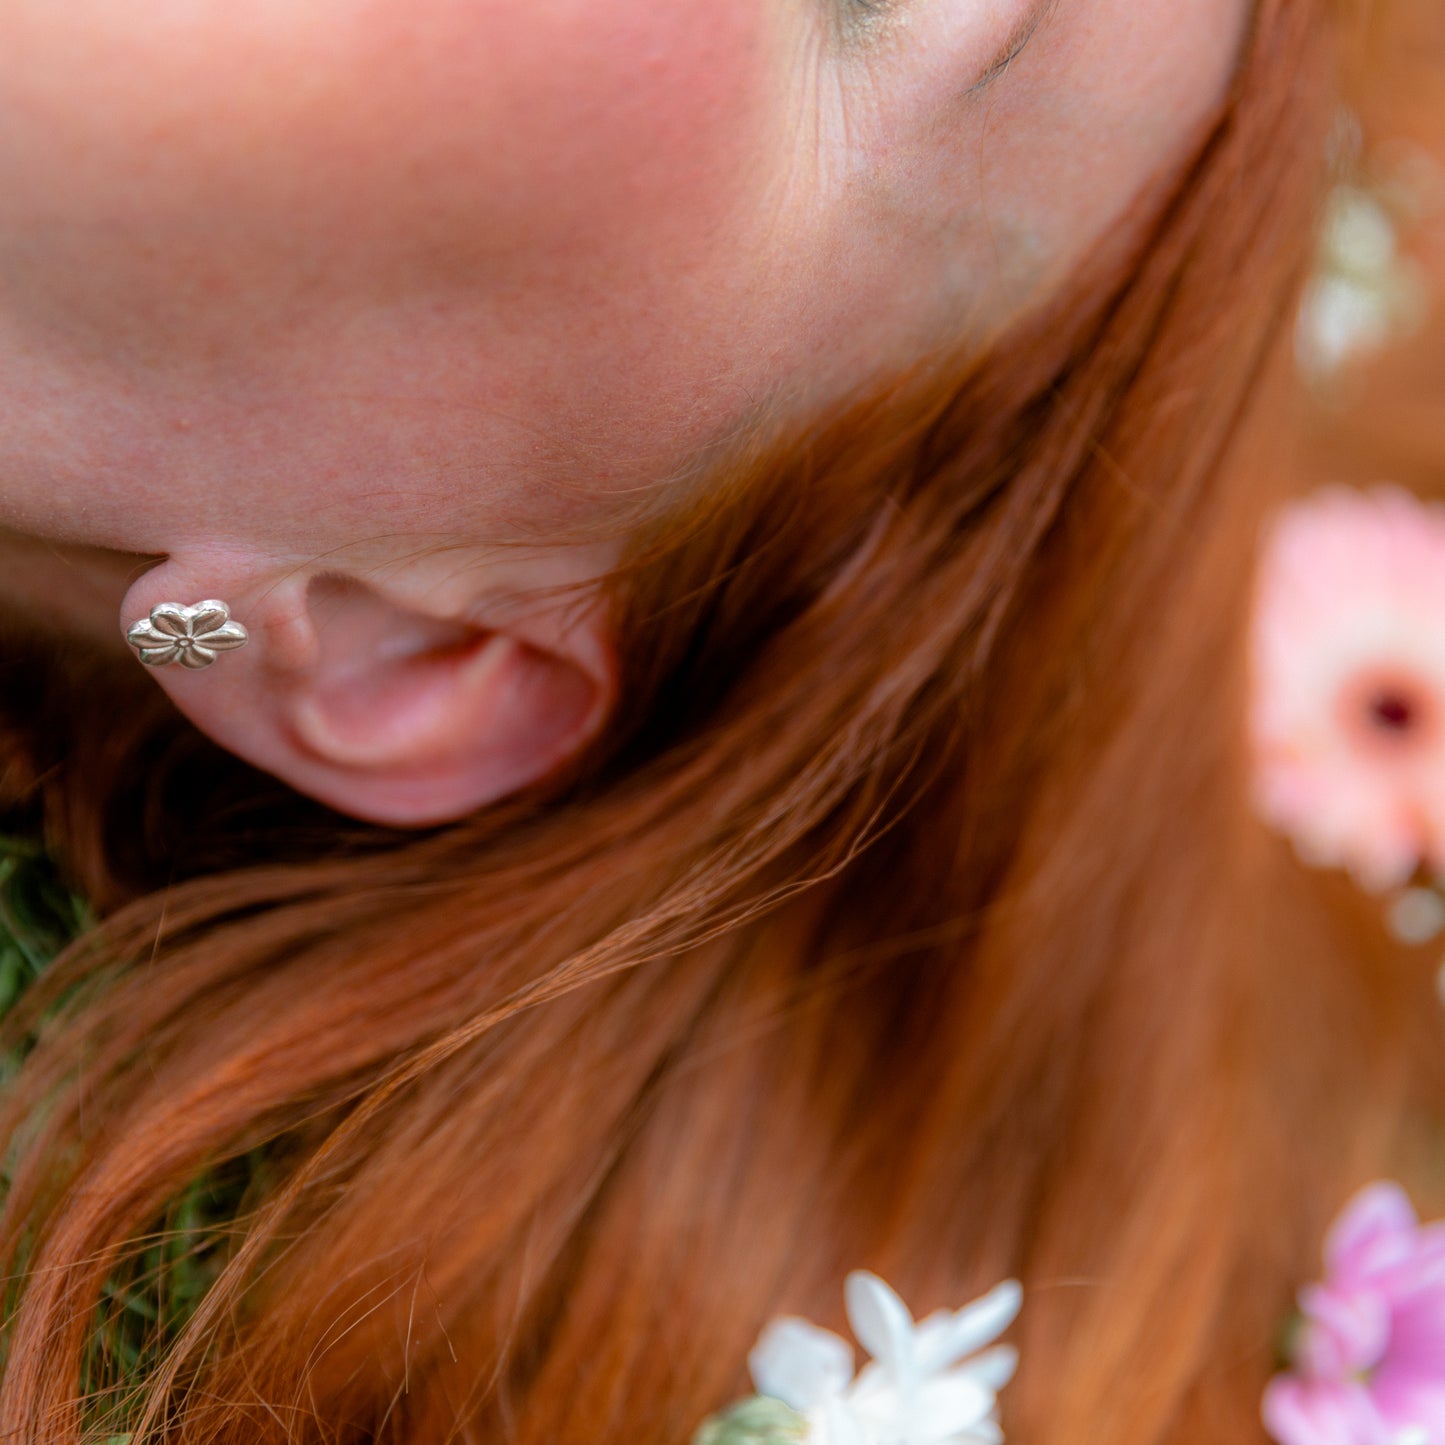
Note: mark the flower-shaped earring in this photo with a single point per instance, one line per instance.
(190, 636)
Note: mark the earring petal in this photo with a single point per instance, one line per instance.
(207, 616)
(172, 619)
(142, 634)
(160, 656)
(195, 656)
(226, 638)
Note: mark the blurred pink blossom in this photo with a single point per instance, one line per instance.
(1348, 714)
(1369, 1358)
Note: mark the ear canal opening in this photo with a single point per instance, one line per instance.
(386, 676)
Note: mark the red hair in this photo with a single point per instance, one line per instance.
(910, 918)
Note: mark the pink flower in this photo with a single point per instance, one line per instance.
(1348, 714)
(1369, 1359)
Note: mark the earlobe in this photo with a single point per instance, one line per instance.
(380, 709)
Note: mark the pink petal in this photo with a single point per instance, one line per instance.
(1364, 824)
(1406, 1401)
(1423, 1269)
(1342, 811)
(1430, 801)
(1376, 1228)
(1349, 587)
(1346, 1331)
(1417, 1336)
(1387, 857)
(1297, 1412)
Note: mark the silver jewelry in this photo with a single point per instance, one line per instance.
(190, 636)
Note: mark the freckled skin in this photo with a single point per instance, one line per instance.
(286, 279)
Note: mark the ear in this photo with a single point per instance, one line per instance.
(380, 706)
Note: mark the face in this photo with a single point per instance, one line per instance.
(284, 282)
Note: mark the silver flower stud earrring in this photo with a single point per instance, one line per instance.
(191, 636)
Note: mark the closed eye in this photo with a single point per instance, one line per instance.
(863, 17)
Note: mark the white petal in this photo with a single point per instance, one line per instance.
(835, 1424)
(948, 1405)
(994, 1368)
(942, 1342)
(881, 1321)
(936, 1410)
(875, 1382)
(986, 1432)
(801, 1365)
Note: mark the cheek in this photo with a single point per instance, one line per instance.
(559, 123)
(611, 105)
(407, 127)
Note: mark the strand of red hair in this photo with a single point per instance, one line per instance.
(911, 918)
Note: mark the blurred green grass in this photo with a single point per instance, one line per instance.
(164, 1276)
(39, 915)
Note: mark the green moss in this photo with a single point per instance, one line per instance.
(759, 1421)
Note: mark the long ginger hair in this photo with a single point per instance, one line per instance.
(909, 917)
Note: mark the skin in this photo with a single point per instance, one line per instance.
(298, 291)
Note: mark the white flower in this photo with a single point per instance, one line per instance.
(1416, 916)
(927, 1383)
(809, 1369)
(1365, 291)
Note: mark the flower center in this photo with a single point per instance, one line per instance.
(1393, 712)
(1390, 710)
